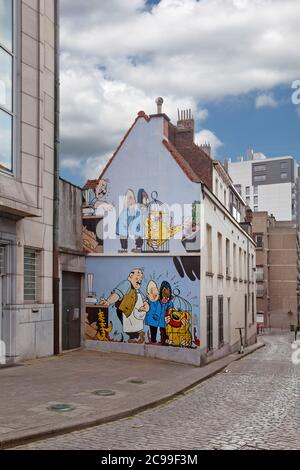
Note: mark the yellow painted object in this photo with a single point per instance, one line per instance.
(102, 334)
(178, 328)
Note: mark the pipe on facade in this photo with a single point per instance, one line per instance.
(56, 277)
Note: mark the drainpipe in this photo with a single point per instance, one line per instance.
(56, 279)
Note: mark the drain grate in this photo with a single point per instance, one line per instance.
(137, 381)
(61, 407)
(104, 393)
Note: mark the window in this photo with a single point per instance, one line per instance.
(283, 176)
(260, 178)
(247, 190)
(283, 165)
(225, 198)
(260, 290)
(6, 85)
(2, 259)
(248, 200)
(259, 241)
(240, 264)
(220, 320)
(259, 274)
(209, 310)
(220, 255)
(255, 200)
(238, 187)
(30, 275)
(209, 248)
(255, 208)
(258, 168)
(245, 266)
(217, 187)
(227, 257)
(234, 261)
(253, 309)
(255, 190)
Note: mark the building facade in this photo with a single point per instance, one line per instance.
(277, 270)
(27, 92)
(268, 184)
(71, 268)
(168, 264)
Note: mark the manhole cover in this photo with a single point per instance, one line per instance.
(137, 381)
(104, 393)
(61, 407)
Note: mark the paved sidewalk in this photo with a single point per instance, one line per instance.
(27, 391)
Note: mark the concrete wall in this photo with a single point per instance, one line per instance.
(70, 216)
(71, 257)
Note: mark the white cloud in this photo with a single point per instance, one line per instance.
(118, 56)
(206, 136)
(265, 100)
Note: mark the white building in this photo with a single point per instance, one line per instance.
(268, 184)
(200, 270)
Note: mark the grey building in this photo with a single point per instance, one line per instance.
(27, 127)
(268, 184)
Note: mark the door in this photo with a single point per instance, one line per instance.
(71, 309)
(229, 320)
(246, 319)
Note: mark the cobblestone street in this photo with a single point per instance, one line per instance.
(254, 404)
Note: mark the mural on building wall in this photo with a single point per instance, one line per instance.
(141, 223)
(150, 304)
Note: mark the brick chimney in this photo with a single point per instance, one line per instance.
(185, 128)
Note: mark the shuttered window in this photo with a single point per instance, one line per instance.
(2, 259)
(209, 312)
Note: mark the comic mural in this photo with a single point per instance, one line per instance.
(136, 222)
(144, 300)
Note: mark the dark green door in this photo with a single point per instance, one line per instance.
(71, 308)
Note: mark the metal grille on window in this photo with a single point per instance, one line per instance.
(2, 260)
(179, 322)
(30, 275)
(158, 230)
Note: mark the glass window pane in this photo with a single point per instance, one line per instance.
(5, 141)
(6, 80)
(6, 11)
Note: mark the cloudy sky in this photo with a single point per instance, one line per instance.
(232, 61)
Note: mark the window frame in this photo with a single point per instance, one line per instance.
(37, 287)
(259, 178)
(14, 113)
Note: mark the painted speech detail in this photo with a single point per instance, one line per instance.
(137, 219)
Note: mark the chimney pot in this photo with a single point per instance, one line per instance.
(159, 101)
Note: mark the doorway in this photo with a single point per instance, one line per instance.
(246, 319)
(71, 310)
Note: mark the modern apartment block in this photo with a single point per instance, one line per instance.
(27, 123)
(268, 184)
(277, 270)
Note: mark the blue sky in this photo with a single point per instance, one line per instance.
(231, 61)
(240, 125)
